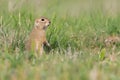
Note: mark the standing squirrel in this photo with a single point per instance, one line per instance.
(37, 38)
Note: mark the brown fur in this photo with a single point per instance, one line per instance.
(111, 40)
(37, 37)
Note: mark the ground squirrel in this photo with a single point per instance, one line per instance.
(111, 40)
(37, 38)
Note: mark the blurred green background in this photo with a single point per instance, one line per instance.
(72, 7)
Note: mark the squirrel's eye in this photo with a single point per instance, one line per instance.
(42, 19)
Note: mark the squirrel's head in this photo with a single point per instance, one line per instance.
(42, 23)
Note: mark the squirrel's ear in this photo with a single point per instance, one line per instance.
(36, 22)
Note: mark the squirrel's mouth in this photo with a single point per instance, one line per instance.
(47, 24)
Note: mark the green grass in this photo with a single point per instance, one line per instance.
(77, 41)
